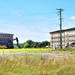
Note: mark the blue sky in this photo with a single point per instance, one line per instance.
(34, 19)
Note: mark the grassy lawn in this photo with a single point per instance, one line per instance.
(37, 66)
(40, 50)
(64, 51)
(34, 50)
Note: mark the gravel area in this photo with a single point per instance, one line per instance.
(44, 55)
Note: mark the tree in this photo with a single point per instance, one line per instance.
(32, 44)
(45, 43)
(29, 44)
(36, 45)
(26, 45)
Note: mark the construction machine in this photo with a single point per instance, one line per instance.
(17, 42)
(8, 45)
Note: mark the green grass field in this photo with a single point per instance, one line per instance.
(37, 66)
(40, 50)
(34, 50)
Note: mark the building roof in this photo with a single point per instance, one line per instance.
(6, 33)
(63, 30)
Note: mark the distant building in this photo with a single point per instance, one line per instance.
(6, 40)
(68, 38)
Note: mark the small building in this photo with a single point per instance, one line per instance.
(6, 40)
(68, 38)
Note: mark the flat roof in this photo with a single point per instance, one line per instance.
(6, 33)
(63, 30)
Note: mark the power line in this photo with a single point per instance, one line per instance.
(60, 14)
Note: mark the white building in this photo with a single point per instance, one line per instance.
(68, 38)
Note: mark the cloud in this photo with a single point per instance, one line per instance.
(73, 17)
(36, 29)
(35, 33)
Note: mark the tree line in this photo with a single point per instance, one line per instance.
(33, 44)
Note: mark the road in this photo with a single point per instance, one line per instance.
(44, 55)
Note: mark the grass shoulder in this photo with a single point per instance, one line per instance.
(41, 50)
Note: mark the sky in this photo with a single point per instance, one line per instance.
(34, 19)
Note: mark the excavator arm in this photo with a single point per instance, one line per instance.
(8, 43)
(17, 42)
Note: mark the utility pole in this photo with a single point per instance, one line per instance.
(60, 14)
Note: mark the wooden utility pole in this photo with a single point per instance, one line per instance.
(60, 14)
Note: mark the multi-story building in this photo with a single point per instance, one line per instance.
(6, 40)
(68, 38)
